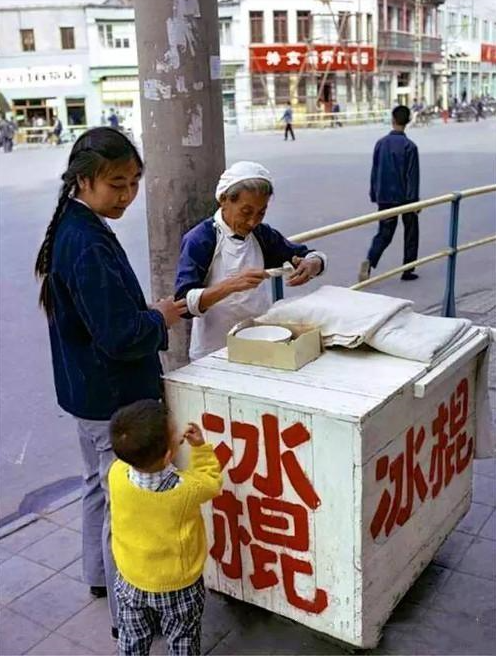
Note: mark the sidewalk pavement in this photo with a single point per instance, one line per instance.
(451, 609)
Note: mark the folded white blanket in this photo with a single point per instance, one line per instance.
(345, 317)
(417, 336)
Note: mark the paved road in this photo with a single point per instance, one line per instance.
(320, 178)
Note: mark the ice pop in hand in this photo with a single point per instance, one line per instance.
(286, 270)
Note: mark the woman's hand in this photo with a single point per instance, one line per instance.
(171, 310)
(193, 435)
(305, 270)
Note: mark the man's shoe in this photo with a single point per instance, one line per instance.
(364, 273)
(98, 591)
(114, 631)
(408, 275)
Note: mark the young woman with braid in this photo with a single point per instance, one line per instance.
(104, 337)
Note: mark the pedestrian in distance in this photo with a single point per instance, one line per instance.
(105, 339)
(287, 117)
(158, 534)
(55, 134)
(394, 181)
(113, 120)
(7, 132)
(336, 109)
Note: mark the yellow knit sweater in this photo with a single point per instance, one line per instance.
(158, 538)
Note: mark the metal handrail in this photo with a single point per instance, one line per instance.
(449, 305)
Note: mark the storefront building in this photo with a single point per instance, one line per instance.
(469, 31)
(396, 65)
(313, 55)
(75, 62)
(44, 63)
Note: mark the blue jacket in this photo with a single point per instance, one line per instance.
(198, 247)
(104, 339)
(395, 170)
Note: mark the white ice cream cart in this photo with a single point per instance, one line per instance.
(340, 480)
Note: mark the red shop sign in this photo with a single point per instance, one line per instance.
(488, 53)
(320, 58)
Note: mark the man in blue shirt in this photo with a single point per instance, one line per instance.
(287, 117)
(394, 181)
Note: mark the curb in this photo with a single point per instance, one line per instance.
(30, 518)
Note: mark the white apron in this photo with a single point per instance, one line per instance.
(230, 257)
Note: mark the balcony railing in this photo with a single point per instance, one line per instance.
(406, 42)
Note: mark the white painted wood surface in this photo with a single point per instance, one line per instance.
(353, 410)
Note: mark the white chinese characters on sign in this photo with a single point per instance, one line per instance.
(273, 58)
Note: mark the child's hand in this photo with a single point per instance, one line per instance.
(193, 435)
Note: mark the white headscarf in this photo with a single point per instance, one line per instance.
(241, 171)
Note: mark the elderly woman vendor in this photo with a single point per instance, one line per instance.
(222, 260)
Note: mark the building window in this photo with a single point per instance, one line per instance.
(105, 35)
(76, 111)
(465, 27)
(225, 34)
(109, 39)
(390, 18)
(343, 26)
(451, 23)
(475, 28)
(358, 28)
(370, 30)
(281, 26)
(121, 42)
(228, 84)
(302, 90)
(27, 40)
(256, 26)
(409, 21)
(403, 79)
(67, 38)
(281, 88)
(303, 26)
(259, 89)
(485, 30)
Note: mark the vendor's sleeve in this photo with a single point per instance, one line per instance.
(277, 249)
(321, 256)
(195, 257)
(193, 298)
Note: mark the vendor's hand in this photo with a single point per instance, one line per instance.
(193, 435)
(246, 279)
(305, 270)
(171, 310)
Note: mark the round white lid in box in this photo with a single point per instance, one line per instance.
(266, 333)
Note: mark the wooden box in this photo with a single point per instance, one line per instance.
(341, 480)
(302, 349)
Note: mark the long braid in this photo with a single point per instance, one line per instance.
(44, 259)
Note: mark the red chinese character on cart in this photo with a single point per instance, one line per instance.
(450, 455)
(273, 521)
(406, 474)
(452, 450)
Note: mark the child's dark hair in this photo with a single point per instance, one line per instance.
(139, 433)
(401, 115)
(92, 154)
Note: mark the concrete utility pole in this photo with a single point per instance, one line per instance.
(183, 132)
(418, 50)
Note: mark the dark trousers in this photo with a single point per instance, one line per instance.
(385, 235)
(289, 129)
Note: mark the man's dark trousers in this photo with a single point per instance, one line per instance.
(384, 236)
(288, 129)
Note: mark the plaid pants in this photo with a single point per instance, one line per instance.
(176, 615)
